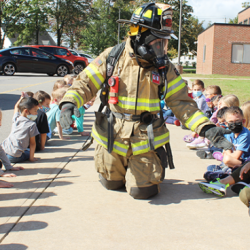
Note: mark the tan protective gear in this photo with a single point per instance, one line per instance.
(138, 92)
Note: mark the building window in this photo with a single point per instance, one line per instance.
(241, 53)
(204, 53)
(245, 21)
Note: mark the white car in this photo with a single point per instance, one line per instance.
(90, 58)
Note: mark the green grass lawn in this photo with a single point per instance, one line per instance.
(237, 87)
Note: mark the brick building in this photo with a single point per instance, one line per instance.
(244, 16)
(225, 48)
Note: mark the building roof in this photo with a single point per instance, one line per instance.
(226, 24)
(244, 10)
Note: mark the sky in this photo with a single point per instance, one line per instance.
(216, 10)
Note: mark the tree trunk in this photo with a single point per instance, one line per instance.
(37, 34)
(58, 37)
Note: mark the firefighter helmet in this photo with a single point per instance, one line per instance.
(154, 16)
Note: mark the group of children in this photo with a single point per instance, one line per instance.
(234, 165)
(36, 118)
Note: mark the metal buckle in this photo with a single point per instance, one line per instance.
(127, 117)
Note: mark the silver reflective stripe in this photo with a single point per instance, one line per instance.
(140, 104)
(148, 104)
(140, 147)
(195, 120)
(75, 95)
(120, 149)
(94, 75)
(161, 141)
(175, 85)
(99, 139)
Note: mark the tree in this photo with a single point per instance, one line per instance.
(234, 20)
(101, 32)
(245, 4)
(68, 13)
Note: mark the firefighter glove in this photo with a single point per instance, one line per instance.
(67, 110)
(216, 136)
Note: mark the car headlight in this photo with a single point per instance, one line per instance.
(69, 62)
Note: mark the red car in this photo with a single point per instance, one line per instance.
(79, 62)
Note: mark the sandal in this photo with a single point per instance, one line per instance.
(188, 138)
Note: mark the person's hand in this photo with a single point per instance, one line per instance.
(4, 184)
(16, 168)
(216, 136)
(68, 109)
(33, 159)
(65, 138)
(244, 170)
(8, 175)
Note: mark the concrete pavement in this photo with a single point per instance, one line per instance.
(59, 203)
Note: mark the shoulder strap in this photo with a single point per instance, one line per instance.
(111, 61)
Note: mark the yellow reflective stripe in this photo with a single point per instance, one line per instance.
(148, 14)
(142, 103)
(195, 120)
(161, 140)
(76, 97)
(118, 147)
(174, 86)
(159, 12)
(138, 11)
(94, 75)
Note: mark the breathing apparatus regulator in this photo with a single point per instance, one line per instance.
(150, 29)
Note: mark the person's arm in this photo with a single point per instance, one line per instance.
(32, 148)
(244, 170)
(236, 154)
(43, 141)
(60, 133)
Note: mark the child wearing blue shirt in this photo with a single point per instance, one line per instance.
(240, 137)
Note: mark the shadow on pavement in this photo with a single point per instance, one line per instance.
(23, 226)
(8, 101)
(12, 211)
(13, 247)
(26, 195)
(172, 192)
(35, 171)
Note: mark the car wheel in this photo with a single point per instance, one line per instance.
(78, 68)
(9, 69)
(62, 70)
(50, 74)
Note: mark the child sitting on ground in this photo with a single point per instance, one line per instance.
(68, 79)
(59, 84)
(23, 132)
(54, 113)
(41, 121)
(208, 154)
(4, 160)
(197, 89)
(225, 101)
(240, 137)
(211, 91)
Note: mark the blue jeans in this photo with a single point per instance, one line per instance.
(24, 157)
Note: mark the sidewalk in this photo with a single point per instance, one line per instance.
(59, 203)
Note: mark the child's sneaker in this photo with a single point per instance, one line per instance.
(237, 187)
(218, 155)
(215, 187)
(204, 154)
(197, 143)
(188, 138)
(211, 176)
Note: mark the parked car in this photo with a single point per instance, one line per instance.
(74, 52)
(79, 62)
(27, 59)
(90, 58)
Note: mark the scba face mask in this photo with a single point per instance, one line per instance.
(155, 52)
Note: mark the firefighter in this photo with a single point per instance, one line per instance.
(131, 139)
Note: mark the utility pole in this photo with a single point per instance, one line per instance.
(119, 25)
(179, 39)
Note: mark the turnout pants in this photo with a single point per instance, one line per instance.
(141, 174)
